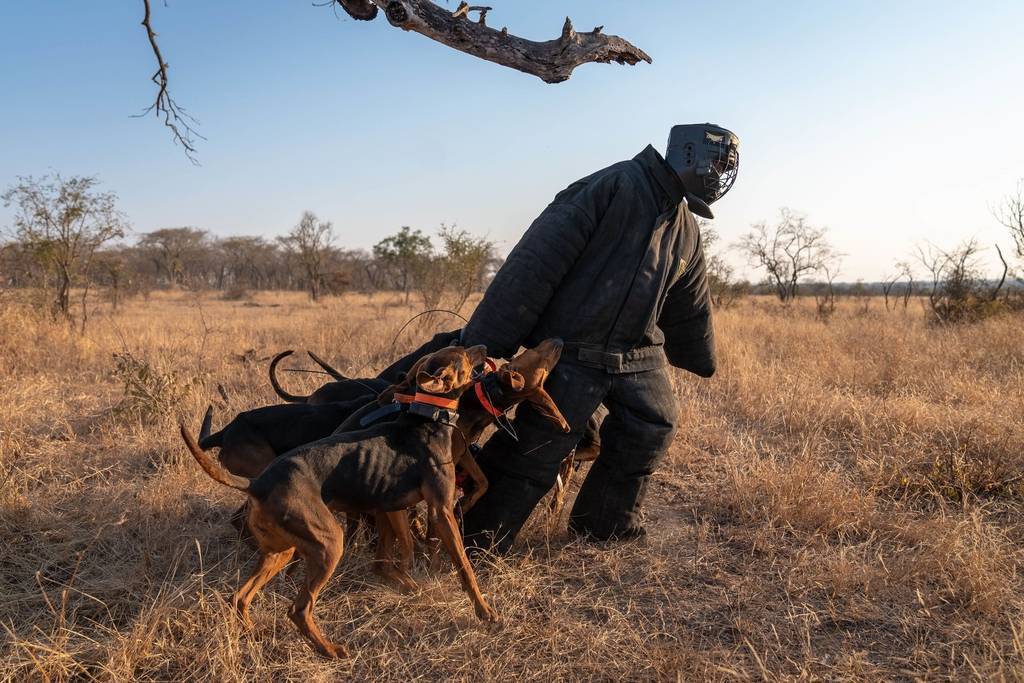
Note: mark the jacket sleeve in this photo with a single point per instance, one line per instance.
(686, 320)
(534, 269)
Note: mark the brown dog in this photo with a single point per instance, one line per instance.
(491, 397)
(383, 469)
(253, 439)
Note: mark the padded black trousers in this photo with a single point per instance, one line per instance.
(641, 421)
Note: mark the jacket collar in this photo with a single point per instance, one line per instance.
(664, 175)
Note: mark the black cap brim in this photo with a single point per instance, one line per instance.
(699, 206)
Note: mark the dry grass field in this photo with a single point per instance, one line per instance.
(843, 501)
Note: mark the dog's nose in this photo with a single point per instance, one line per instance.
(555, 344)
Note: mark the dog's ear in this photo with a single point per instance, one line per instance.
(545, 405)
(512, 379)
(431, 383)
(403, 384)
(477, 354)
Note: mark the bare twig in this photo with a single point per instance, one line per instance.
(465, 8)
(181, 123)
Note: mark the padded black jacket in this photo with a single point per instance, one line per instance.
(614, 266)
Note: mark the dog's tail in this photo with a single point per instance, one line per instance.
(326, 366)
(291, 398)
(212, 466)
(206, 439)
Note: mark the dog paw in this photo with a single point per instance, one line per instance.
(487, 614)
(243, 615)
(337, 651)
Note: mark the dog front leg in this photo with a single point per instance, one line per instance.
(444, 522)
(400, 531)
(480, 483)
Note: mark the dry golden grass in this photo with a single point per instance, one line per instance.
(843, 502)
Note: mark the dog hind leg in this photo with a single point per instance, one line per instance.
(320, 543)
(270, 564)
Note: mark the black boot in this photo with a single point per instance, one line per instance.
(608, 507)
(493, 523)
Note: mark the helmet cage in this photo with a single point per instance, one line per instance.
(719, 167)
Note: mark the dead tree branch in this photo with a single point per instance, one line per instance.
(553, 61)
(361, 10)
(181, 123)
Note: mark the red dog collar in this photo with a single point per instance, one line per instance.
(481, 396)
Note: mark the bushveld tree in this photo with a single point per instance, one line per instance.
(19, 267)
(459, 269)
(789, 251)
(904, 271)
(1010, 214)
(110, 270)
(404, 254)
(825, 298)
(61, 222)
(552, 61)
(959, 292)
(310, 242)
(366, 273)
(174, 251)
(250, 262)
(724, 290)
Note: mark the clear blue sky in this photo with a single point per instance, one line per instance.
(890, 123)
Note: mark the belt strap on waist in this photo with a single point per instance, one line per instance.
(614, 361)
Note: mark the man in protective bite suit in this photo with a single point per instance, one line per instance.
(614, 267)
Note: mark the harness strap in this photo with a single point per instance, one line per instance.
(379, 413)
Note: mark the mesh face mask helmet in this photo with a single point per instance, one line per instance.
(707, 159)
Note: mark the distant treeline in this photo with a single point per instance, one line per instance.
(68, 239)
(68, 235)
(191, 257)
